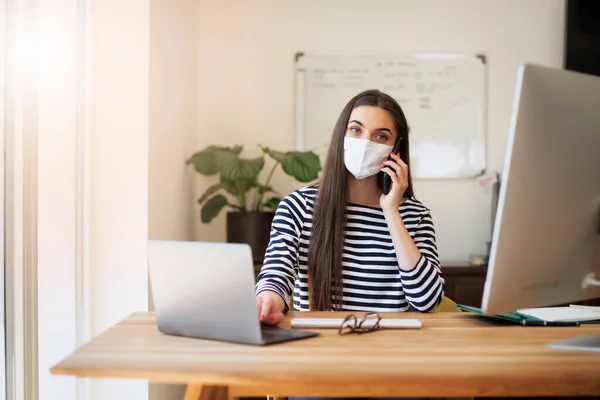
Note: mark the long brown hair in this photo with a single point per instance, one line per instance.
(328, 225)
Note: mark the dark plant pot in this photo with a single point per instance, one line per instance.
(252, 228)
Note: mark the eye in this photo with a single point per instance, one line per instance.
(354, 129)
(381, 137)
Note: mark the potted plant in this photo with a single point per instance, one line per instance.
(251, 203)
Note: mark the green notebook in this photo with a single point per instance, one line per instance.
(515, 317)
(510, 316)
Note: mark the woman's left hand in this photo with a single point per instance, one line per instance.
(398, 172)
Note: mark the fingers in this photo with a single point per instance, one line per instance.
(397, 158)
(397, 163)
(275, 318)
(393, 175)
(398, 172)
(393, 166)
(399, 166)
(268, 307)
(396, 169)
(259, 304)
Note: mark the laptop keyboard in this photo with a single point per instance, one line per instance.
(274, 333)
(270, 334)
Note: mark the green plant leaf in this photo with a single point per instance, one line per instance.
(239, 168)
(210, 160)
(229, 186)
(262, 189)
(212, 208)
(239, 186)
(272, 203)
(274, 154)
(210, 191)
(244, 185)
(238, 149)
(302, 165)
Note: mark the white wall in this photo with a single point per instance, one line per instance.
(20, 131)
(245, 81)
(119, 173)
(3, 325)
(172, 113)
(92, 123)
(172, 129)
(57, 218)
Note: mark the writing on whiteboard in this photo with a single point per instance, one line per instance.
(441, 98)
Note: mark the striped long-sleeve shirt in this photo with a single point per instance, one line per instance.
(372, 279)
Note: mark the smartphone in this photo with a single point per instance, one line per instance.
(387, 181)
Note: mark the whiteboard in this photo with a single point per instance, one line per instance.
(442, 96)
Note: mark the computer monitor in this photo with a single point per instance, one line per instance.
(546, 240)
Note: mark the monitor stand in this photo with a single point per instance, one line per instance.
(581, 343)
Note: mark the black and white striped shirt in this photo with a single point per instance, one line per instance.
(372, 279)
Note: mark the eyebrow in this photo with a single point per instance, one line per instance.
(379, 130)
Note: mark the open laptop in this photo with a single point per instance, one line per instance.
(206, 290)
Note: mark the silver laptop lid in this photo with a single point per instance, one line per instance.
(204, 290)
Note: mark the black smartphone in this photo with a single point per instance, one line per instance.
(387, 181)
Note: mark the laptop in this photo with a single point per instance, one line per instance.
(207, 290)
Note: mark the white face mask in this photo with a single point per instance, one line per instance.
(364, 158)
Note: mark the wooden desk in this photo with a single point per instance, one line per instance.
(454, 354)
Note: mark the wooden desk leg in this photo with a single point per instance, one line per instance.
(201, 392)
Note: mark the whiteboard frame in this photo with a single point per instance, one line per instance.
(300, 98)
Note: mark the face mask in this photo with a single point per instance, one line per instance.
(363, 158)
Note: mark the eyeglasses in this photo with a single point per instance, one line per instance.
(367, 323)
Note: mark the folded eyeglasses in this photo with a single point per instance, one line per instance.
(367, 323)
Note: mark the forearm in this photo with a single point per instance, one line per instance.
(407, 252)
(278, 272)
(276, 277)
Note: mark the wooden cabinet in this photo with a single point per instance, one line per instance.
(464, 283)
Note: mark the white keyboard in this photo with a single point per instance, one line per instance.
(386, 323)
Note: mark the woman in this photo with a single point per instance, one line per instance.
(344, 245)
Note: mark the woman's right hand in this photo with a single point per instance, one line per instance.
(270, 307)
